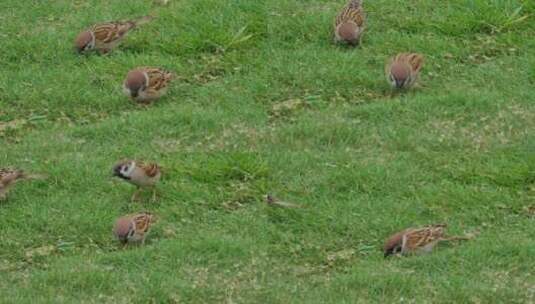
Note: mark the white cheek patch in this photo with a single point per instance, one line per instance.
(91, 44)
(146, 80)
(336, 35)
(392, 80)
(128, 169)
(126, 90)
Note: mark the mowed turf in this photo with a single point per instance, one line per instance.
(265, 102)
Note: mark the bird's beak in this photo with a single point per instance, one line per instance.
(353, 42)
(115, 172)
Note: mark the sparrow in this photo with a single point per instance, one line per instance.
(145, 84)
(417, 240)
(349, 24)
(139, 174)
(403, 69)
(133, 228)
(104, 37)
(272, 201)
(9, 177)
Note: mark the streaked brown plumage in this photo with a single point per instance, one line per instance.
(350, 23)
(403, 69)
(417, 240)
(142, 175)
(133, 228)
(146, 84)
(9, 177)
(104, 37)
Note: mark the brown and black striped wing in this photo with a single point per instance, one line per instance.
(352, 12)
(150, 169)
(419, 238)
(142, 223)
(415, 61)
(112, 31)
(158, 78)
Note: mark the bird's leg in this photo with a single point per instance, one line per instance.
(134, 196)
(105, 51)
(145, 103)
(154, 194)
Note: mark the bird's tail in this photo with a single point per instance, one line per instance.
(26, 175)
(143, 20)
(355, 3)
(459, 238)
(285, 204)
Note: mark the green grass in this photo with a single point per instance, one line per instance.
(266, 103)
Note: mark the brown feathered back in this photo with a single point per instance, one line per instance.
(158, 78)
(352, 12)
(114, 30)
(414, 239)
(418, 239)
(150, 169)
(142, 222)
(416, 61)
(111, 31)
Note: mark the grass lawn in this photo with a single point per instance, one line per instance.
(265, 102)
